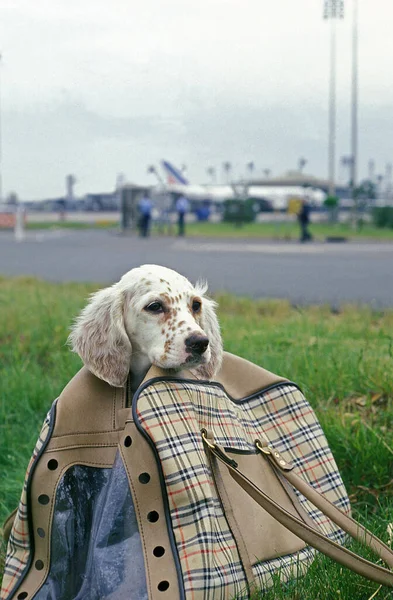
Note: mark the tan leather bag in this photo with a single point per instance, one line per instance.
(189, 489)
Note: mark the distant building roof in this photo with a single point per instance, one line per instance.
(134, 186)
(297, 178)
(100, 195)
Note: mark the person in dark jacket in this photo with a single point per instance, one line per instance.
(182, 206)
(304, 221)
(145, 207)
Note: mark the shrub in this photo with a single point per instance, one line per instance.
(383, 216)
(240, 211)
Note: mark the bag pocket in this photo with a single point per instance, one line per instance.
(258, 535)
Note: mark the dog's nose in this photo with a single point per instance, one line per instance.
(197, 344)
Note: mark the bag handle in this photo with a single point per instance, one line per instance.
(311, 535)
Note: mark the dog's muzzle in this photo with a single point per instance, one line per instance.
(196, 344)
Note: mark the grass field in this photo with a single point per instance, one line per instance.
(342, 361)
(279, 231)
(69, 224)
(288, 231)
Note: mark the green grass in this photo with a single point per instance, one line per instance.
(95, 223)
(342, 361)
(288, 230)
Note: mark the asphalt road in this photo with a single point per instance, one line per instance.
(304, 274)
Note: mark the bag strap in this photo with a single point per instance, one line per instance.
(311, 535)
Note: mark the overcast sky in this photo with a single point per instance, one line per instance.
(96, 88)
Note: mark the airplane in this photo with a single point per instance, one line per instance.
(177, 183)
(272, 197)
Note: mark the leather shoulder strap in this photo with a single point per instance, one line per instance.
(313, 536)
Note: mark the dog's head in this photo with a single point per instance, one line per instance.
(153, 315)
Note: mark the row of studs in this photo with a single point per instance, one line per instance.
(43, 499)
(152, 517)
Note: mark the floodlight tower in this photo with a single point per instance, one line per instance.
(354, 102)
(1, 149)
(333, 10)
(211, 171)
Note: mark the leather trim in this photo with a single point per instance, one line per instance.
(83, 440)
(239, 378)
(139, 458)
(46, 482)
(87, 395)
(145, 384)
(164, 496)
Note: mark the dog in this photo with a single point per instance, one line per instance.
(152, 316)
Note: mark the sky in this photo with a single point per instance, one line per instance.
(97, 88)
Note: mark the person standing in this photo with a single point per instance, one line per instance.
(145, 207)
(304, 221)
(182, 206)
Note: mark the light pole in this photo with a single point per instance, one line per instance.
(1, 148)
(250, 168)
(346, 162)
(379, 186)
(227, 166)
(301, 163)
(354, 119)
(371, 169)
(211, 171)
(388, 181)
(333, 9)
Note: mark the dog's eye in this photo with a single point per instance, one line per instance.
(154, 307)
(196, 306)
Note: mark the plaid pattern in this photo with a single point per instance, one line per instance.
(172, 414)
(18, 550)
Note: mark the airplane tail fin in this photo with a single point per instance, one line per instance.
(173, 175)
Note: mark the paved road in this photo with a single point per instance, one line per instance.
(314, 273)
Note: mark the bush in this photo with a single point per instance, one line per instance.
(383, 216)
(331, 202)
(240, 211)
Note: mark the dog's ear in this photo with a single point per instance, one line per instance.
(211, 327)
(100, 338)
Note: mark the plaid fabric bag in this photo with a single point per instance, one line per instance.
(193, 490)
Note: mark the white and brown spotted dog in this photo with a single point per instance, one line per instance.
(152, 316)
